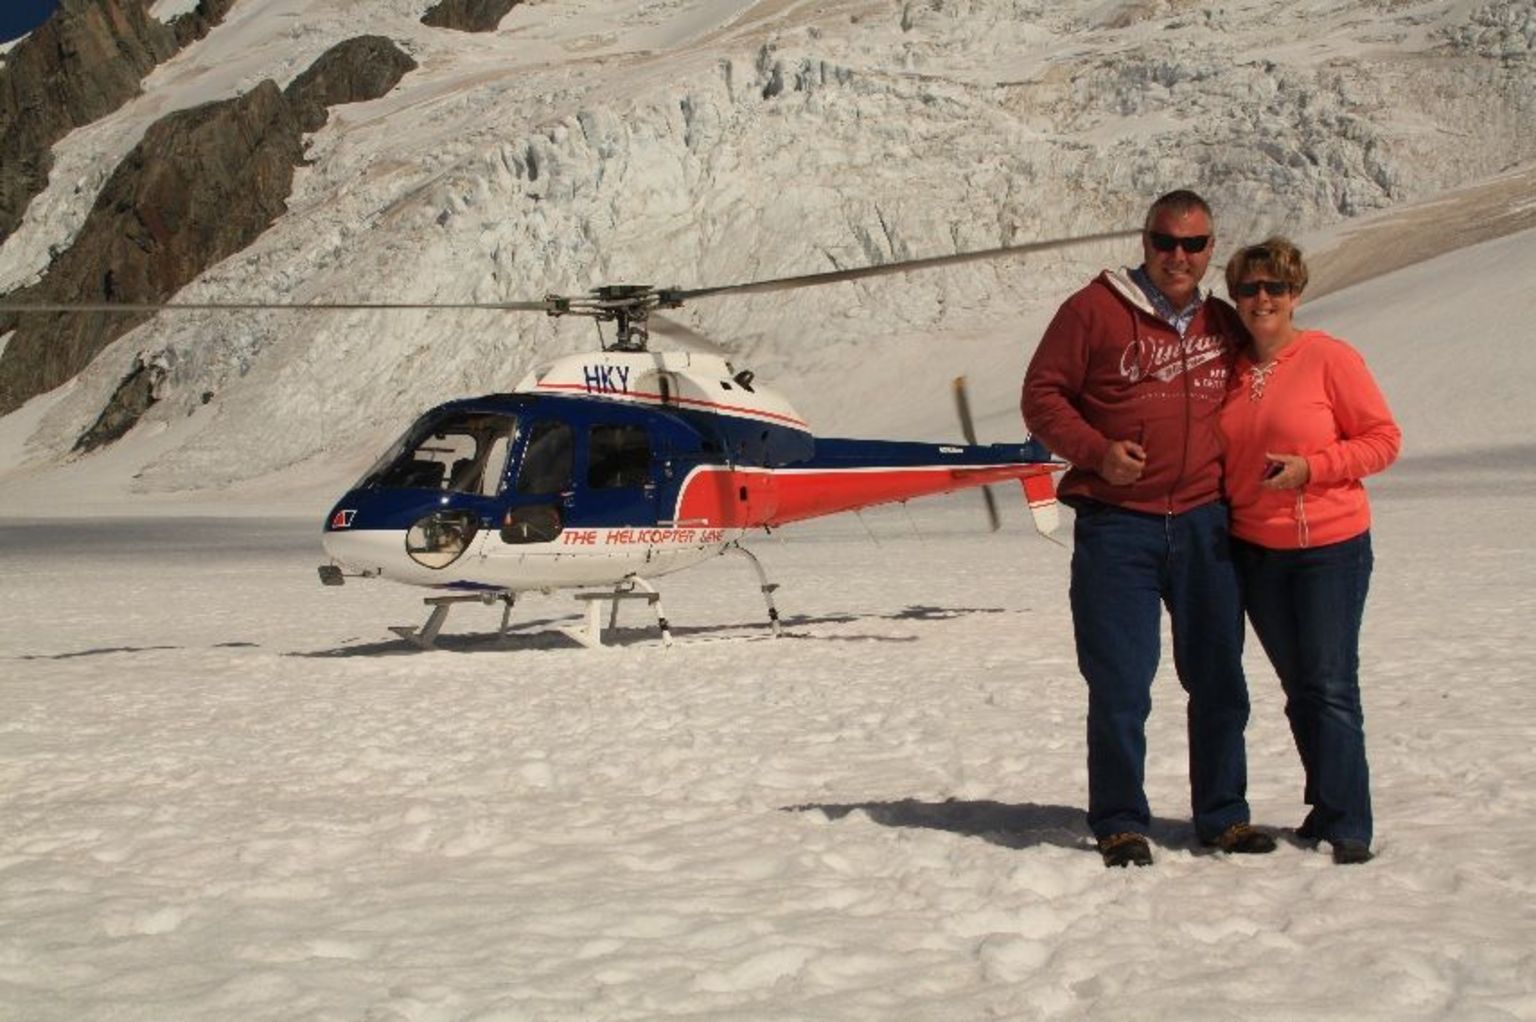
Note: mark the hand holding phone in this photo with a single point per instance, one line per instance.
(1285, 471)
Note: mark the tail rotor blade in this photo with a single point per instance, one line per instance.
(968, 428)
(994, 520)
(963, 408)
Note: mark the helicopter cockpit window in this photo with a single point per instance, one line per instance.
(618, 456)
(547, 460)
(463, 452)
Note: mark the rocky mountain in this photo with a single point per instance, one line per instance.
(82, 63)
(706, 141)
(201, 185)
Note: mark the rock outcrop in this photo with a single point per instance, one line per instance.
(198, 22)
(201, 185)
(133, 398)
(468, 15)
(358, 69)
(81, 64)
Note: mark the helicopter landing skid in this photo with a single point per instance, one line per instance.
(764, 585)
(426, 636)
(590, 634)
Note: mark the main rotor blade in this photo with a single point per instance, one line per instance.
(838, 276)
(557, 305)
(137, 307)
(968, 429)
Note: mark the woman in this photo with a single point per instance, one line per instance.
(1304, 422)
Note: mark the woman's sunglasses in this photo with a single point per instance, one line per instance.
(1168, 242)
(1273, 288)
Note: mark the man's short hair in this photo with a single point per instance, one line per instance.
(1178, 202)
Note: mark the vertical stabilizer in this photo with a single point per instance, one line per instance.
(1040, 493)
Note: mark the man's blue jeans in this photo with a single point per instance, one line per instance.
(1306, 606)
(1127, 566)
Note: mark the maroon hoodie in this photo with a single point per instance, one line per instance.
(1110, 368)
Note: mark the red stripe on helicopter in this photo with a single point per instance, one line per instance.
(673, 399)
(1039, 490)
(732, 498)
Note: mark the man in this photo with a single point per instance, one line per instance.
(1126, 385)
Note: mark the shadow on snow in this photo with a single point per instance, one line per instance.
(110, 650)
(1012, 826)
(1025, 825)
(541, 634)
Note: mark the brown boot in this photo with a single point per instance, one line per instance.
(1242, 839)
(1125, 849)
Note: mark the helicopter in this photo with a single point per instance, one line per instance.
(600, 472)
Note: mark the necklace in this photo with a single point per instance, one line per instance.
(1258, 378)
(1260, 374)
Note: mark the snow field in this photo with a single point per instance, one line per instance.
(245, 798)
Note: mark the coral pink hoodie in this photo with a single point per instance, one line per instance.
(1318, 399)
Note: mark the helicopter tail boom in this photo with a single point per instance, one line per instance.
(847, 475)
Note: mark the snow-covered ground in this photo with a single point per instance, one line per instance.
(228, 793)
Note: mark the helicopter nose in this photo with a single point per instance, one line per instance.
(366, 552)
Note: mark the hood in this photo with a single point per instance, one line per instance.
(1121, 283)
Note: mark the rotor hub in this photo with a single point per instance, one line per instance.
(627, 306)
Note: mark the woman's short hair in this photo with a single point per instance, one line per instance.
(1274, 256)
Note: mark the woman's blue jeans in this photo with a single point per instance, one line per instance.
(1126, 567)
(1306, 607)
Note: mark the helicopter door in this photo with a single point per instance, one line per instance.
(545, 469)
(539, 496)
(619, 489)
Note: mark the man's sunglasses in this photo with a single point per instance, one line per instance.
(1168, 242)
(1273, 288)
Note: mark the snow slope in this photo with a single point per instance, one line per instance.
(697, 142)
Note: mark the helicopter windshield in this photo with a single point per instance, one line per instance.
(461, 452)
